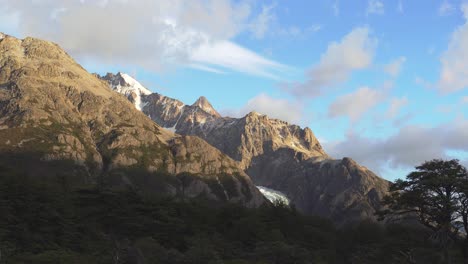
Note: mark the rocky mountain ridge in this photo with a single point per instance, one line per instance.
(279, 156)
(57, 121)
(201, 118)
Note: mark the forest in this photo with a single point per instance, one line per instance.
(47, 222)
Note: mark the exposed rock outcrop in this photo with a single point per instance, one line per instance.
(53, 111)
(278, 155)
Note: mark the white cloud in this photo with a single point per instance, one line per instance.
(202, 67)
(266, 24)
(394, 67)
(174, 32)
(464, 9)
(424, 83)
(314, 28)
(446, 8)
(262, 23)
(454, 72)
(354, 105)
(273, 107)
(400, 7)
(229, 55)
(375, 7)
(395, 107)
(294, 31)
(409, 147)
(336, 8)
(355, 51)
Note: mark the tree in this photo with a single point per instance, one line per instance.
(462, 188)
(437, 193)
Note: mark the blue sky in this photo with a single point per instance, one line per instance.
(384, 82)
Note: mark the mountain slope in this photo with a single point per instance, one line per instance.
(277, 155)
(57, 120)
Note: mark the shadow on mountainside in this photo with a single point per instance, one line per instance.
(70, 175)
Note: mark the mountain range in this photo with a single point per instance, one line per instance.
(60, 123)
(274, 153)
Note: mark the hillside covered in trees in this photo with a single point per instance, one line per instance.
(50, 223)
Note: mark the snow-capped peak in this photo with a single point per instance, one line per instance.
(134, 84)
(128, 86)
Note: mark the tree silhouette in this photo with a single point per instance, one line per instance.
(437, 194)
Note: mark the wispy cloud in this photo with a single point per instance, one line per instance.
(355, 51)
(314, 28)
(424, 83)
(400, 8)
(464, 9)
(354, 105)
(206, 68)
(454, 72)
(262, 23)
(446, 8)
(396, 104)
(227, 54)
(176, 33)
(375, 7)
(336, 8)
(267, 24)
(409, 147)
(283, 109)
(295, 32)
(394, 67)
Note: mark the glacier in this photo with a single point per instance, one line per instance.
(274, 195)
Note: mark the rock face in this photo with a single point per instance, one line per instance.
(277, 155)
(57, 120)
(129, 87)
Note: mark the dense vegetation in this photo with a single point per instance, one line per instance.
(436, 194)
(51, 223)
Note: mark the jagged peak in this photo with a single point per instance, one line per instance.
(254, 114)
(4, 35)
(124, 83)
(127, 85)
(206, 106)
(266, 117)
(202, 102)
(131, 82)
(50, 60)
(309, 131)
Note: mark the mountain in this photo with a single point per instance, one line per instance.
(129, 87)
(276, 155)
(203, 104)
(59, 122)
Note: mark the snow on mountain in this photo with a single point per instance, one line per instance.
(274, 195)
(128, 86)
(133, 84)
(279, 156)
